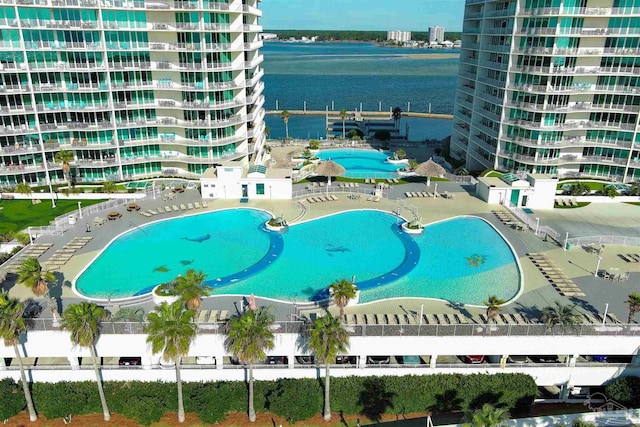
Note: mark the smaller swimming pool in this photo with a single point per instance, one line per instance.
(363, 163)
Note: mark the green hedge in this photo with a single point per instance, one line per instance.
(147, 402)
(625, 390)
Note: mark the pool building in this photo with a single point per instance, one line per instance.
(131, 88)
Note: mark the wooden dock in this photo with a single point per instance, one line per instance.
(364, 113)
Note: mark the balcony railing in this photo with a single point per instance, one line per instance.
(367, 330)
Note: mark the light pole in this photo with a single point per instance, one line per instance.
(53, 200)
(606, 309)
(30, 235)
(80, 209)
(597, 266)
(537, 225)
(435, 190)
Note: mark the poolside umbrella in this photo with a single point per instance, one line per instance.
(252, 302)
(329, 168)
(429, 169)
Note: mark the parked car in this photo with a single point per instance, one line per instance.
(277, 360)
(474, 360)
(409, 360)
(517, 359)
(130, 361)
(306, 360)
(378, 360)
(544, 359)
(599, 358)
(164, 364)
(344, 360)
(205, 360)
(32, 310)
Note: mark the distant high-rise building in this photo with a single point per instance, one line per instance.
(132, 88)
(436, 34)
(399, 36)
(549, 87)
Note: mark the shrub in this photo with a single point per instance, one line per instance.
(306, 393)
(625, 390)
(56, 400)
(11, 397)
(314, 144)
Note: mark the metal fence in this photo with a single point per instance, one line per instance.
(532, 223)
(608, 240)
(426, 330)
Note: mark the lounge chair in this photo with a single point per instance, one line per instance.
(224, 315)
(204, 204)
(183, 207)
(368, 319)
(197, 205)
(145, 213)
(160, 209)
(152, 212)
(190, 206)
(334, 198)
(408, 195)
(377, 198)
(311, 200)
(167, 209)
(213, 316)
(202, 317)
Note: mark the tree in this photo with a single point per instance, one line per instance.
(355, 134)
(314, 144)
(31, 275)
(23, 188)
(267, 131)
(488, 416)
(494, 306)
(635, 189)
(285, 118)
(558, 314)
(109, 187)
(343, 116)
(610, 191)
(579, 189)
(191, 289)
(382, 135)
(248, 337)
(64, 157)
(171, 330)
(12, 324)
(83, 320)
(342, 292)
(327, 339)
(396, 114)
(633, 301)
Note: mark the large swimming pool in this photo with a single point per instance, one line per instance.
(363, 163)
(463, 259)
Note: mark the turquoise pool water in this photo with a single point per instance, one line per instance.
(463, 259)
(363, 163)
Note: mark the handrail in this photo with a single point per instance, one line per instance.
(609, 240)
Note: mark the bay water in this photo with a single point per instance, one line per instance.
(351, 75)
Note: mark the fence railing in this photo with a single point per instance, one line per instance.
(476, 329)
(532, 223)
(605, 240)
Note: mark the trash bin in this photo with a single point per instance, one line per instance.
(569, 246)
(72, 220)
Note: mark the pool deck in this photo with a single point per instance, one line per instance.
(577, 264)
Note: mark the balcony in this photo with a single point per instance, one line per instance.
(252, 28)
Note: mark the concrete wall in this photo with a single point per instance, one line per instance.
(56, 344)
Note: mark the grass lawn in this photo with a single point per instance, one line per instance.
(580, 205)
(593, 186)
(16, 215)
(493, 174)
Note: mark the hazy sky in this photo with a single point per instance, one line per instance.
(405, 15)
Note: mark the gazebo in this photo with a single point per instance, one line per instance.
(329, 168)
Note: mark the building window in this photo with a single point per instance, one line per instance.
(259, 188)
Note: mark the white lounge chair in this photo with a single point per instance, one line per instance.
(204, 204)
(190, 206)
(197, 205)
(183, 207)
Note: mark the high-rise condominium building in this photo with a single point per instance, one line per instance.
(399, 36)
(436, 34)
(132, 88)
(550, 86)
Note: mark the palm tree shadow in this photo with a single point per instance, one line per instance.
(456, 305)
(446, 402)
(490, 398)
(583, 304)
(375, 399)
(531, 312)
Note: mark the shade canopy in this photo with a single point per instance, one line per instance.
(329, 168)
(430, 168)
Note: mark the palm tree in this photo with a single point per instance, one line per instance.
(285, 118)
(171, 330)
(64, 157)
(109, 187)
(342, 292)
(343, 116)
(396, 114)
(248, 337)
(23, 188)
(327, 338)
(12, 324)
(31, 275)
(563, 315)
(488, 416)
(494, 306)
(267, 131)
(191, 289)
(82, 320)
(633, 301)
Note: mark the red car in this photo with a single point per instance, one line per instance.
(473, 359)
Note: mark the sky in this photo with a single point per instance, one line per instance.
(381, 15)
